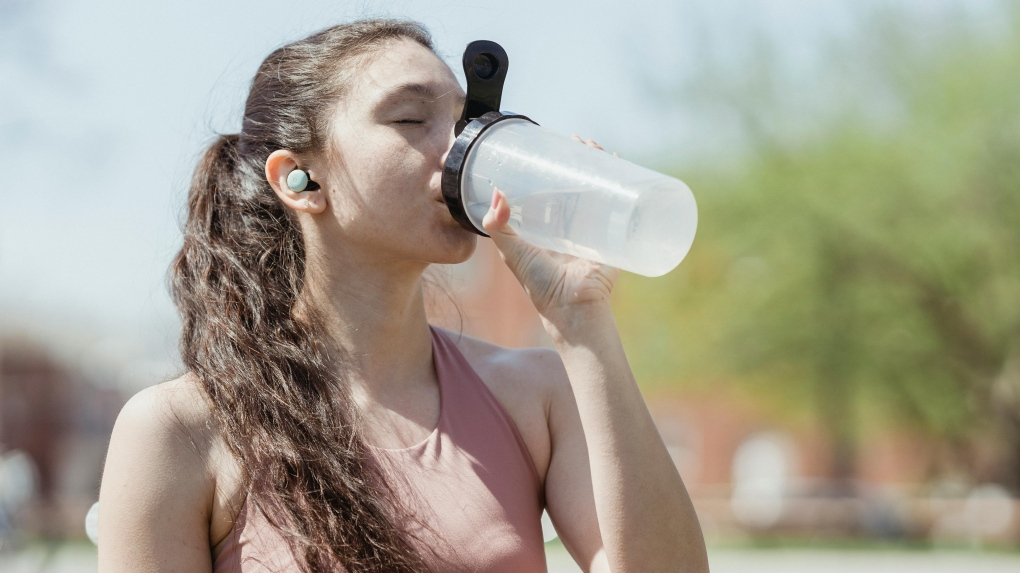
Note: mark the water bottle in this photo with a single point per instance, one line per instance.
(564, 196)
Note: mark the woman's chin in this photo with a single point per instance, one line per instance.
(460, 248)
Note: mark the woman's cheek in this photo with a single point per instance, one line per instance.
(411, 173)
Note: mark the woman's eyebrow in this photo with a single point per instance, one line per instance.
(424, 91)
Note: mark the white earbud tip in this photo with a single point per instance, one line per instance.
(297, 180)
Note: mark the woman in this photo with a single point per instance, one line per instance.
(323, 424)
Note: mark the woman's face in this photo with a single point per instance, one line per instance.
(390, 137)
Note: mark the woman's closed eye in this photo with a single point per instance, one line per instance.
(410, 121)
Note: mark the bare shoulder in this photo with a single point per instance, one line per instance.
(157, 485)
(527, 382)
(177, 411)
(535, 370)
(166, 428)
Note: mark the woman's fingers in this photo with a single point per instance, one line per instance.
(514, 250)
(551, 279)
(590, 143)
(498, 215)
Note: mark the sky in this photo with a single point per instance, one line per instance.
(106, 105)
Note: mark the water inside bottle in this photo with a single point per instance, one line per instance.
(577, 200)
(607, 228)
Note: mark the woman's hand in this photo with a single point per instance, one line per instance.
(559, 285)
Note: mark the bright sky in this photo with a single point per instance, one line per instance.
(104, 109)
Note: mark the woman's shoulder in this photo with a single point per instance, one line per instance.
(170, 420)
(176, 409)
(179, 413)
(158, 484)
(527, 382)
(534, 369)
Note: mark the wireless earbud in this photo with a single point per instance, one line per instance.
(298, 180)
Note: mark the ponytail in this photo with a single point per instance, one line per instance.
(277, 397)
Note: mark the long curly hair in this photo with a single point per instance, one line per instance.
(277, 397)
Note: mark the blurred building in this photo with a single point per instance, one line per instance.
(61, 421)
(751, 474)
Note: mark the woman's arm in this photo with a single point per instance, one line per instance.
(643, 514)
(156, 491)
(645, 518)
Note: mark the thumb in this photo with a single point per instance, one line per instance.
(512, 248)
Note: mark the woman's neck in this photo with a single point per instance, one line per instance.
(376, 318)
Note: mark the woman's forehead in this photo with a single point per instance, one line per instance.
(404, 69)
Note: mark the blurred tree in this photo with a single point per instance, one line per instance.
(867, 267)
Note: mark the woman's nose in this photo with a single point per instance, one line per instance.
(450, 137)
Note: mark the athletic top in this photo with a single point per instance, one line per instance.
(472, 483)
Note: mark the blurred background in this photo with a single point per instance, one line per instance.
(835, 367)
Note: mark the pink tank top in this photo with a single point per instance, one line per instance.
(472, 481)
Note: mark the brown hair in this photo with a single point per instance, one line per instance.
(281, 406)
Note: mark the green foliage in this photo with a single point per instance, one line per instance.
(867, 272)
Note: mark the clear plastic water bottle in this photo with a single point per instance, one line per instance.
(563, 195)
(575, 199)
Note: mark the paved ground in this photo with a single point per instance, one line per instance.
(804, 561)
(80, 558)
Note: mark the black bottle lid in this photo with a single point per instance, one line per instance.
(453, 169)
(485, 66)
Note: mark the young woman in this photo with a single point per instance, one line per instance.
(323, 424)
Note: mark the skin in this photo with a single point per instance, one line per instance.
(170, 491)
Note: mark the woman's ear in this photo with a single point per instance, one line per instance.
(279, 166)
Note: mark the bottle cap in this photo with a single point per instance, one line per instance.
(485, 66)
(453, 169)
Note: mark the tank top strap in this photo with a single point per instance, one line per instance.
(469, 408)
